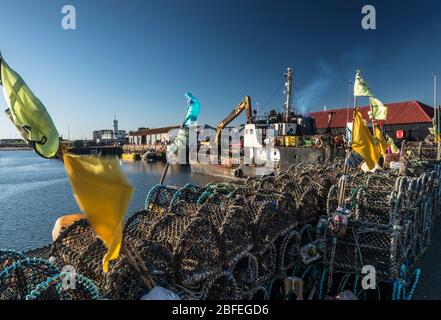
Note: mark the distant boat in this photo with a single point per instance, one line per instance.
(150, 156)
(131, 156)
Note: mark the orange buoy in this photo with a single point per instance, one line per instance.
(63, 222)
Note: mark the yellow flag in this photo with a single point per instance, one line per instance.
(28, 114)
(361, 89)
(363, 142)
(103, 195)
(378, 109)
(380, 141)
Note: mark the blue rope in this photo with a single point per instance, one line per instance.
(152, 194)
(399, 285)
(9, 253)
(396, 289)
(355, 284)
(56, 276)
(149, 197)
(179, 192)
(204, 196)
(85, 283)
(417, 274)
(25, 263)
(322, 284)
(306, 272)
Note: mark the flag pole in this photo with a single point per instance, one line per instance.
(435, 110)
(164, 173)
(436, 115)
(346, 167)
(349, 100)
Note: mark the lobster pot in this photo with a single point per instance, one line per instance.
(367, 244)
(194, 243)
(79, 247)
(232, 225)
(288, 251)
(16, 282)
(245, 269)
(42, 252)
(159, 198)
(267, 184)
(283, 201)
(429, 151)
(140, 224)
(307, 207)
(268, 222)
(374, 206)
(9, 257)
(226, 189)
(219, 200)
(189, 193)
(184, 208)
(222, 286)
(267, 261)
(411, 149)
(384, 183)
(124, 282)
(421, 150)
(245, 191)
(354, 183)
(22, 277)
(426, 224)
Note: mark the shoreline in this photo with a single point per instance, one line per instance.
(15, 149)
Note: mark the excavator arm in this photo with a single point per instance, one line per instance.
(244, 105)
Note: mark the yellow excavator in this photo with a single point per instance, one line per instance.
(244, 105)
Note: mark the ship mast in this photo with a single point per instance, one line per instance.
(288, 90)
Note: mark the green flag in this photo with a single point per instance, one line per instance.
(28, 114)
(378, 109)
(392, 145)
(361, 89)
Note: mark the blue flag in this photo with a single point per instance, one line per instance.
(194, 107)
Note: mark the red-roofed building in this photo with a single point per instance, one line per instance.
(413, 117)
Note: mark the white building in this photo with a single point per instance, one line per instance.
(150, 136)
(108, 135)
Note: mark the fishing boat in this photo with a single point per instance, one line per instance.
(131, 156)
(150, 156)
(277, 139)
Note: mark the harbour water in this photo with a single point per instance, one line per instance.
(34, 192)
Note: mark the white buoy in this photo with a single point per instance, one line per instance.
(160, 293)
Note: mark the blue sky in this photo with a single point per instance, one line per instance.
(136, 59)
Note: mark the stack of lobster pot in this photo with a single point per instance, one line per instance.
(385, 223)
(231, 240)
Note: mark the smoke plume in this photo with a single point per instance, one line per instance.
(309, 96)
